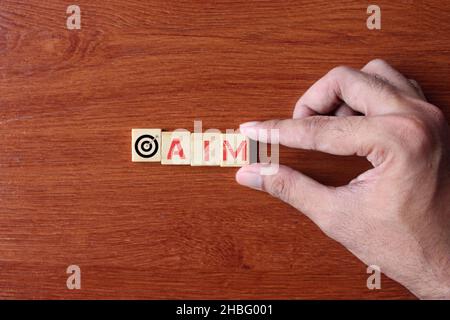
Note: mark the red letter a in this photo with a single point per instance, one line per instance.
(175, 149)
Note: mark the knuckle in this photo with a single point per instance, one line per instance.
(439, 125)
(313, 128)
(315, 123)
(421, 138)
(415, 134)
(382, 85)
(377, 63)
(273, 124)
(439, 117)
(339, 71)
(272, 131)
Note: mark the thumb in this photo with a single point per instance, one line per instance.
(315, 200)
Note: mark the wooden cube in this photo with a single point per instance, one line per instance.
(235, 150)
(176, 148)
(206, 149)
(146, 145)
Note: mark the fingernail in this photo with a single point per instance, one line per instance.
(249, 177)
(249, 124)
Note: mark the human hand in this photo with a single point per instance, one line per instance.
(395, 215)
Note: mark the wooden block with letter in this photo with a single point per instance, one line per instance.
(176, 148)
(206, 149)
(146, 145)
(235, 150)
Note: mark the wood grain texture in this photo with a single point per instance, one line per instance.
(69, 193)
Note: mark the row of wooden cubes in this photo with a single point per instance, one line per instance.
(195, 149)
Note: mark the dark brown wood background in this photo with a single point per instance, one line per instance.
(69, 193)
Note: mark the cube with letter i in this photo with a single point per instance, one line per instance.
(176, 148)
(206, 149)
(235, 150)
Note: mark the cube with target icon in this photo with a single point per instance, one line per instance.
(146, 145)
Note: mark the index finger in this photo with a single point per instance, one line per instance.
(360, 91)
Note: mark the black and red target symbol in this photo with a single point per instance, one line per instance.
(146, 146)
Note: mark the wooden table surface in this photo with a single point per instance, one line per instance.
(70, 195)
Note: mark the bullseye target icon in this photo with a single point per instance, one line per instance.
(146, 146)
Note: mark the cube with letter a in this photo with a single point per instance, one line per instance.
(176, 148)
(235, 150)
